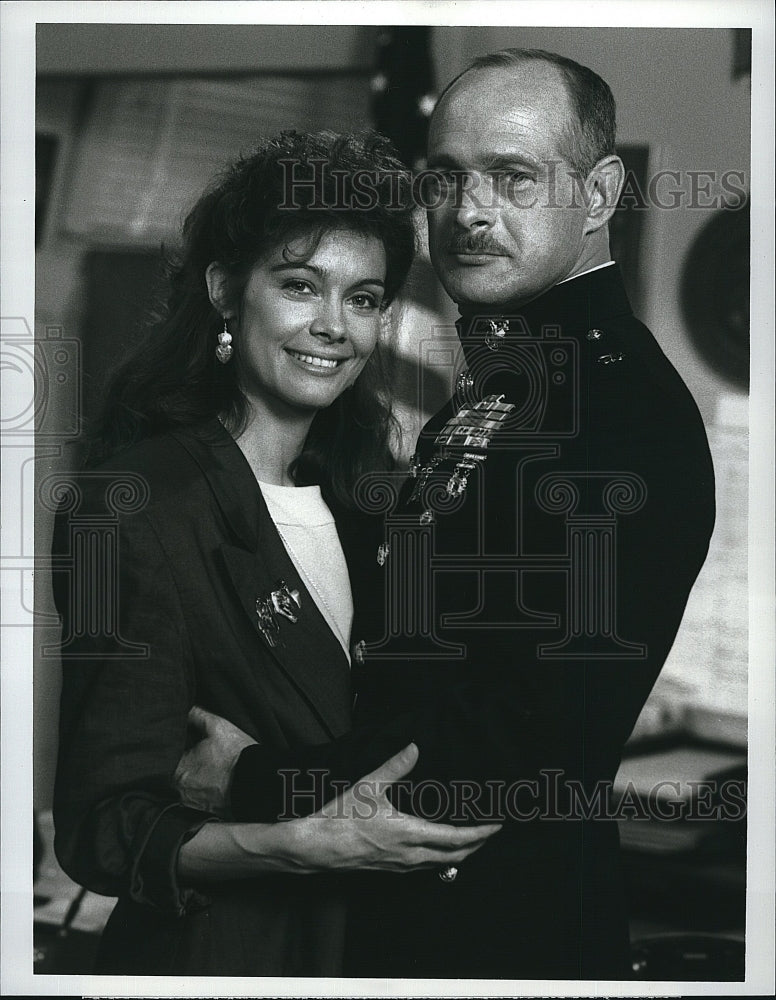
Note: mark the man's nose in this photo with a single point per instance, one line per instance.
(329, 323)
(475, 204)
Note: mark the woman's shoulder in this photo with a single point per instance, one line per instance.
(159, 471)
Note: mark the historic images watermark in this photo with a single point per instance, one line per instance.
(548, 797)
(542, 186)
(41, 413)
(36, 428)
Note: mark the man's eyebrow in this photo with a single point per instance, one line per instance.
(498, 161)
(442, 160)
(490, 161)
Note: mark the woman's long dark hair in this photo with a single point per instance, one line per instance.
(295, 185)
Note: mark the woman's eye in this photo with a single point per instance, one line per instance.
(365, 300)
(298, 285)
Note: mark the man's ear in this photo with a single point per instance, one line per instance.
(603, 184)
(218, 291)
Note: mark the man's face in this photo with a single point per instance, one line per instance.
(513, 217)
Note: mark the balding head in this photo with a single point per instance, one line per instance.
(591, 124)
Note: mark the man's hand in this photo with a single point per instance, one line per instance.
(361, 829)
(203, 773)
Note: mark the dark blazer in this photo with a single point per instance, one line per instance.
(161, 555)
(559, 581)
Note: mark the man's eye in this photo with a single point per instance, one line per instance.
(516, 177)
(445, 178)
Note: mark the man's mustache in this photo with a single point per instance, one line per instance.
(476, 243)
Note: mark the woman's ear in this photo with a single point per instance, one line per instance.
(217, 282)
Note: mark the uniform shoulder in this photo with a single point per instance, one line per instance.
(628, 345)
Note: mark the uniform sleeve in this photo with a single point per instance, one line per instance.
(126, 690)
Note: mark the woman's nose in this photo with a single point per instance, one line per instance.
(329, 323)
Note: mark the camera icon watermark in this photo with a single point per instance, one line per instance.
(41, 382)
(41, 413)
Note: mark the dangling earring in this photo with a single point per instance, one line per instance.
(224, 349)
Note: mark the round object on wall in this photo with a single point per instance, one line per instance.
(715, 294)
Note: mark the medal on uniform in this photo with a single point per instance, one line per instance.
(497, 331)
(421, 473)
(457, 483)
(464, 439)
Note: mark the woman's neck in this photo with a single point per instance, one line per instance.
(271, 442)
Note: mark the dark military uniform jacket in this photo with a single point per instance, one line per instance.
(514, 606)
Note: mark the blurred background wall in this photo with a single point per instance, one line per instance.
(133, 119)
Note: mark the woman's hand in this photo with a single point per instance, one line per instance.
(361, 829)
(357, 830)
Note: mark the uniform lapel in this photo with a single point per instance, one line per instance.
(257, 563)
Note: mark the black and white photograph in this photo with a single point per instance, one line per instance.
(388, 593)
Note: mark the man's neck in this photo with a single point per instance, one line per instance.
(467, 309)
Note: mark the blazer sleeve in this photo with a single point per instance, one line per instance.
(127, 687)
(535, 715)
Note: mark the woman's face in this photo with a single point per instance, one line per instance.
(307, 327)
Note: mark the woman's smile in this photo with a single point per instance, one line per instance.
(317, 362)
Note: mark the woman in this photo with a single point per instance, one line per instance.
(247, 417)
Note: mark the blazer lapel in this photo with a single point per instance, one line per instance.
(307, 650)
(257, 563)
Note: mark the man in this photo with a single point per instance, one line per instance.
(559, 510)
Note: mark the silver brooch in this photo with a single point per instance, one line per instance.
(267, 622)
(382, 553)
(608, 359)
(282, 601)
(286, 602)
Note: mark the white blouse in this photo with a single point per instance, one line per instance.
(307, 528)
